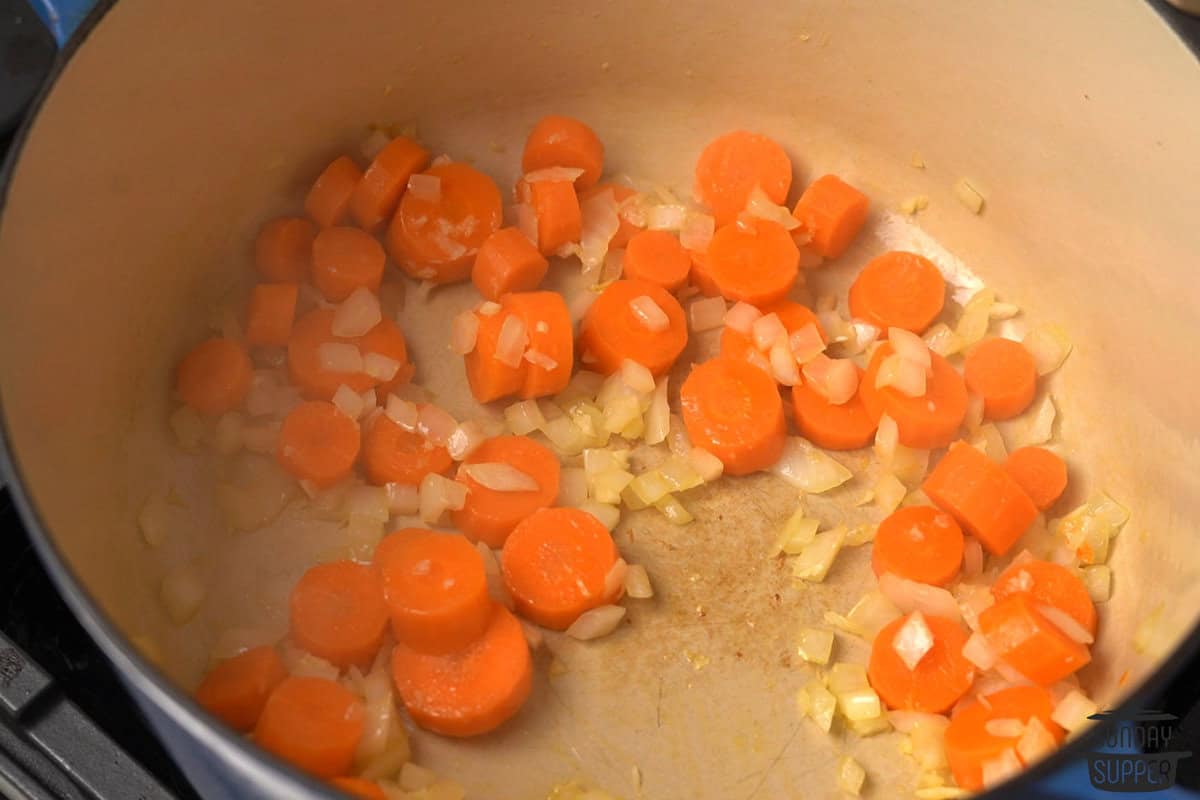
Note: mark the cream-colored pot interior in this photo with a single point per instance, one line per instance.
(178, 128)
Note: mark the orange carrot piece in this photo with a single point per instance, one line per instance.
(436, 590)
(733, 410)
(318, 443)
(214, 376)
(391, 454)
(270, 313)
(1051, 585)
(1030, 643)
(1040, 472)
(345, 259)
(489, 516)
(626, 230)
(555, 563)
(984, 498)
(848, 426)
(314, 724)
(794, 316)
(338, 614)
(969, 743)
(360, 788)
(732, 165)
(378, 193)
(832, 212)
(940, 678)
(898, 290)
(755, 262)
(558, 141)
(328, 201)
(304, 360)
(507, 262)
(657, 257)
(471, 692)
(1002, 372)
(701, 277)
(236, 689)
(556, 207)
(283, 249)
(437, 239)
(927, 422)
(551, 339)
(919, 543)
(612, 331)
(386, 339)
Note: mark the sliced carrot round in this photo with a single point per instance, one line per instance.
(968, 741)
(360, 788)
(283, 249)
(940, 678)
(657, 257)
(345, 259)
(701, 277)
(927, 422)
(337, 613)
(488, 377)
(755, 262)
(1029, 642)
(730, 166)
(847, 426)
(626, 230)
(318, 443)
(236, 689)
(214, 376)
(488, 515)
(551, 335)
(556, 207)
(898, 290)
(1051, 585)
(919, 543)
(391, 454)
(304, 358)
(832, 212)
(314, 724)
(471, 692)
(1002, 372)
(794, 316)
(1040, 472)
(386, 339)
(555, 563)
(328, 201)
(270, 314)
(733, 410)
(613, 330)
(507, 262)
(558, 141)
(376, 196)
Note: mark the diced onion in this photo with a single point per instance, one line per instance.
(357, 314)
(541, 360)
(348, 401)
(972, 557)
(613, 267)
(1089, 528)
(556, 174)
(1098, 579)
(1049, 346)
(979, 652)
(637, 583)
(860, 704)
(1006, 765)
(909, 346)
(913, 640)
(697, 232)
(835, 379)
(600, 223)
(302, 664)
(489, 308)
(339, 357)
(597, 622)
(670, 217)
(565, 435)
(435, 424)
(973, 324)
(889, 491)
(467, 436)
(808, 468)
(1073, 710)
(797, 533)
(760, 206)
(1004, 727)
(887, 439)
(1067, 624)
(572, 487)
(182, 592)
(1035, 426)
(373, 143)
(784, 368)
(425, 187)
(1035, 743)
(500, 477)
(767, 330)
(512, 341)
(649, 314)
(973, 600)
(439, 495)
(650, 487)
(987, 439)
(414, 778)
(402, 412)
(850, 776)
(741, 317)
(942, 340)
(871, 614)
(708, 466)
(847, 677)
(154, 519)
(864, 336)
(815, 559)
(637, 377)
(614, 579)
(806, 343)
(822, 704)
(380, 367)
(906, 377)
(706, 314)
(524, 417)
(403, 500)
(463, 331)
(910, 596)
(815, 645)
(658, 416)
(608, 515)
(368, 502)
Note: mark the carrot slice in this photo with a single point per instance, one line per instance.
(984, 498)
(626, 230)
(1049, 584)
(848, 426)
(940, 678)
(391, 454)
(318, 443)
(214, 376)
(733, 410)
(436, 589)
(345, 259)
(657, 257)
(488, 515)
(507, 262)
(551, 351)
(732, 165)
(555, 563)
(328, 201)
(437, 239)
(338, 614)
(283, 249)
(236, 689)
(489, 377)
(1040, 472)
(919, 543)
(378, 193)
(312, 723)
(304, 358)
(360, 788)
(755, 262)
(898, 290)
(1030, 643)
(969, 743)
(558, 141)
(794, 316)
(556, 207)
(832, 212)
(927, 422)
(470, 692)
(1002, 372)
(701, 277)
(270, 313)
(386, 339)
(613, 331)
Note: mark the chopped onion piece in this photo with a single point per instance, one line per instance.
(373, 143)
(524, 418)
(1049, 346)
(600, 223)
(154, 519)
(1067, 624)
(614, 579)
(942, 340)
(348, 401)
(500, 477)
(808, 468)
(1034, 426)
(1089, 528)
(760, 206)
(973, 600)
(357, 314)
(467, 436)
(425, 187)
(380, 367)
(850, 776)
(669, 217)
(706, 314)
(637, 583)
(414, 778)
(403, 500)
(889, 491)
(1006, 765)
(822, 704)
(871, 614)
(556, 174)
(767, 330)
(1098, 580)
(887, 439)
(339, 357)
(909, 346)
(511, 341)
(979, 652)
(439, 495)
(806, 343)
(861, 534)
(835, 379)
(1002, 311)
(1005, 727)
(677, 438)
(910, 596)
(650, 487)
(572, 487)
(741, 317)
(697, 232)
(987, 440)
(649, 314)
(1035, 743)
(608, 515)
(402, 412)
(435, 424)
(815, 645)
(489, 308)
(182, 592)
(607, 486)
(540, 359)
(816, 558)
(906, 377)
(597, 622)
(613, 267)
(463, 331)
(637, 377)
(708, 466)
(864, 336)
(679, 474)
(797, 533)
(972, 557)
(784, 368)
(847, 677)
(913, 640)
(367, 502)
(860, 704)
(973, 324)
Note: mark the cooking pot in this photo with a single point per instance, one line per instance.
(172, 130)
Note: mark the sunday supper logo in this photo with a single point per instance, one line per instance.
(1133, 757)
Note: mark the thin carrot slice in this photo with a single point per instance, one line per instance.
(386, 339)
(378, 193)
(555, 563)
(471, 692)
(556, 207)
(283, 249)
(338, 614)
(1030, 643)
(437, 239)
(755, 262)
(318, 443)
(488, 515)
(969, 743)
(328, 201)
(940, 678)
(794, 316)
(391, 454)
(270, 313)
(507, 262)
(489, 377)
(304, 358)
(848, 426)
(927, 422)
(360, 788)
(312, 723)
(701, 277)
(1051, 585)
(919, 543)
(613, 331)
(236, 689)
(732, 165)
(436, 589)
(1040, 472)
(626, 230)
(558, 141)
(984, 498)
(1002, 372)
(898, 290)
(551, 352)
(345, 259)
(657, 257)
(214, 376)
(832, 212)
(733, 410)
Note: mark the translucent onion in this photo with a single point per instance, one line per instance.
(512, 341)
(402, 412)
(797, 533)
(182, 592)
(697, 232)
(850, 776)
(760, 206)
(154, 520)
(909, 346)
(608, 515)
(540, 359)
(600, 223)
(435, 424)
(368, 502)
(767, 330)
(555, 174)
(597, 622)
(1035, 426)
(403, 500)
(871, 614)
(741, 317)
(887, 439)
(1098, 580)
(380, 367)
(614, 579)
(414, 778)
(357, 314)
(637, 377)
(808, 468)
(425, 187)
(670, 217)
(979, 652)
(465, 439)
(339, 357)
(348, 401)
(815, 559)
(910, 596)
(439, 495)
(1049, 346)
(973, 323)
(489, 308)
(1067, 624)
(524, 418)
(784, 368)
(637, 583)
(972, 558)
(913, 640)
(906, 377)
(227, 436)
(500, 477)
(706, 314)
(815, 645)
(572, 487)
(463, 331)
(942, 340)
(836, 379)
(707, 466)
(649, 314)
(658, 417)
(889, 491)
(806, 343)
(973, 599)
